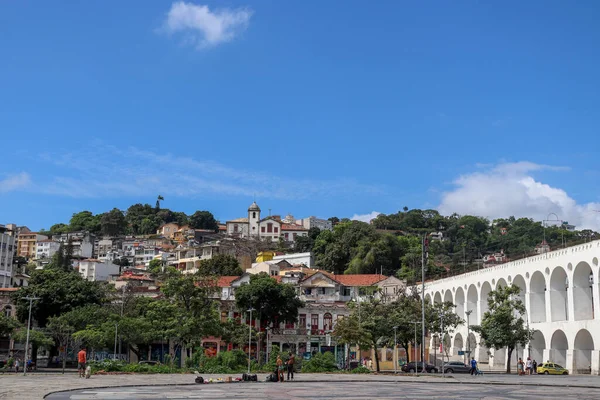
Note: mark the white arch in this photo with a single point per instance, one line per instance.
(437, 298)
(582, 292)
(471, 345)
(458, 343)
(448, 297)
(558, 348)
(559, 304)
(582, 352)
(538, 345)
(537, 297)
(472, 304)
(519, 281)
(428, 299)
(501, 283)
(486, 288)
(459, 302)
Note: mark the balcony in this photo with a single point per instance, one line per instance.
(327, 297)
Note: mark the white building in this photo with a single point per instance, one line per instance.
(7, 251)
(307, 259)
(561, 292)
(314, 222)
(96, 270)
(271, 227)
(46, 248)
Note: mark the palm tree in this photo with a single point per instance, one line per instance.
(158, 200)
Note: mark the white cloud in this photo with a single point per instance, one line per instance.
(510, 189)
(365, 217)
(15, 182)
(203, 27)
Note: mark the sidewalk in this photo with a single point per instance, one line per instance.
(36, 386)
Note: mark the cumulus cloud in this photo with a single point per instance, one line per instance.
(511, 189)
(365, 217)
(203, 27)
(15, 182)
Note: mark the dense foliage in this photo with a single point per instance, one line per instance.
(392, 243)
(138, 219)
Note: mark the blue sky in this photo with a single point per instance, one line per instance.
(316, 108)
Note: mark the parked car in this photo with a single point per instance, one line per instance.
(149, 362)
(412, 367)
(456, 367)
(551, 368)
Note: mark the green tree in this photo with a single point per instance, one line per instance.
(273, 302)
(58, 229)
(220, 265)
(8, 325)
(367, 326)
(62, 332)
(113, 223)
(158, 200)
(84, 221)
(503, 324)
(203, 220)
(59, 292)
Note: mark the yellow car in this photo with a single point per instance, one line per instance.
(551, 368)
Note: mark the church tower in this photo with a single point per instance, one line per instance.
(253, 219)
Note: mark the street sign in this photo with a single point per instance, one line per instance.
(461, 353)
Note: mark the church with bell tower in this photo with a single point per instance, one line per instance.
(271, 227)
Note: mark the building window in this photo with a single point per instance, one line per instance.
(254, 214)
(262, 229)
(269, 227)
(276, 229)
(287, 236)
(302, 320)
(8, 311)
(295, 235)
(327, 321)
(314, 321)
(235, 228)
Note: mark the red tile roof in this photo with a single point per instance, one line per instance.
(134, 278)
(10, 289)
(225, 281)
(359, 279)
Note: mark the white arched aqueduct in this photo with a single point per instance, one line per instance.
(561, 293)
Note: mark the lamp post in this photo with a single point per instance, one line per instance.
(116, 335)
(268, 328)
(468, 313)
(415, 350)
(249, 336)
(31, 300)
(395, 358)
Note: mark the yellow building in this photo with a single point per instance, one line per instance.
(265, 256)
(27, 244)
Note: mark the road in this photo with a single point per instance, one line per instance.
(333, 391)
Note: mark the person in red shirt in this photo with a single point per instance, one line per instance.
(81, 360)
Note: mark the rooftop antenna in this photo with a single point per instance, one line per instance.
(269, 212)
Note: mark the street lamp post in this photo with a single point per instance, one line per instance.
(116, 336)
(395, 358)
(249, 336)
(31, 300)
(468, 313)
(415, 349)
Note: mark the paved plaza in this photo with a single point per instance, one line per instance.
(307, 386)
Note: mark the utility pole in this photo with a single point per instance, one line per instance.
(442, 342)
(468, 313)
(425, 248)
(249, 337)
(116, 336)
(30, 299)
(395, 358)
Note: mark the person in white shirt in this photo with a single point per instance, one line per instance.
(529, 366)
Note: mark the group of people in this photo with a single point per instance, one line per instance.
(287, 365)
(529, 367)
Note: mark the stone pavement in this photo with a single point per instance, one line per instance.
(36, 386)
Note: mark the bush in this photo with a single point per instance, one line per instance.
(320, 363)
(361, 370)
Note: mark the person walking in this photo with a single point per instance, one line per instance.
(529, 366)
(81, 361)
(290, 366)
(473, 370)
(279, 369)
(534, 365)
(17, 364)
(520, 366)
